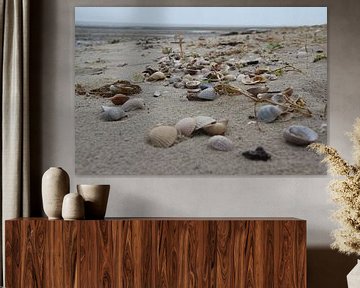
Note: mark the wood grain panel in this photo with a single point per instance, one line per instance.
(169, 253)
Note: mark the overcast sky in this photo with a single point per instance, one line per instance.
(202, 16)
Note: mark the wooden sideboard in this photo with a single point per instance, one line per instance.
(156, 252)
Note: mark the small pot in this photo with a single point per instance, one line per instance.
(96, 198)
(73, 207)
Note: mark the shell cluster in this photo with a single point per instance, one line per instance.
(165, 136)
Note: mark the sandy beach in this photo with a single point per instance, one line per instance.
(296, 56)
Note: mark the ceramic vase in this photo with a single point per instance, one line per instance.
(55, 185)
(73, 207)
(353, 278)
(96, 198)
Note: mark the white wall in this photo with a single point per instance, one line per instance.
(303, 197)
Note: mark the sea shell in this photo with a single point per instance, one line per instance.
(174, 79)
(278, 98)
(258, 90)
(229, 77)
(124, 87)
(218, 128)
(112, 113)
(186, 126)
(157, 76)
(300, 135)
(268, 113)
(208, 94)
(133, 104)
(221, 143)
(204, 86)
(245, 79)
(163, 136)
(192, 84)
(119, 99)
(202, 121)
(214, 76)
(179, 85)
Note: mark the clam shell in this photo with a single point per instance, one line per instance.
(268, 113)
(163, 136)
(119, 99)
(218, 128)
(221, 143)
(157, 76)
(124, 87)
(258, 90)
(186, 126)
(192, 84)
(202, 121)
(133, 104)
(179, 85)
(300, 135)
(204, 86)
(278, 98)
(229, 77)
(112, 113)
(208, 94)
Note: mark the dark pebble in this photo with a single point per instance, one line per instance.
(258, 154)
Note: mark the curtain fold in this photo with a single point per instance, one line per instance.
(15, 153)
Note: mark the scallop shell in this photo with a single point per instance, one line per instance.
(186, 126)
(133, 104)
(208, 94)
(221, 143)
(268, 113)
(163, 136)
(218, 128)
(202, 121)
(112, 113)
(119, 99)
(300, 135)
(192, 84)
(157, 76)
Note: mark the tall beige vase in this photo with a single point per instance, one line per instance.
(55, 185)
(96, 198)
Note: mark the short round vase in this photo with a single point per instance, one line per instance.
(96, 198)
(73, 207)
(55, 185)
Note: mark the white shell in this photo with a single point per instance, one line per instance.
(133, 104)
(202, 121)
(163, 136)
(221, 143)
(157, 76)
(300, 135)
(268, 113)
(112, 113)
(186, 126)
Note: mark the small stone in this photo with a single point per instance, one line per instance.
(157, 94)
(258, 154)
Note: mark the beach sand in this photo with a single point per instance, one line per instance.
(105, 55)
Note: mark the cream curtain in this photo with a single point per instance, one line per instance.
(15, 172)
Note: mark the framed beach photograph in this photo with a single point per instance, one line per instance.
(200, 90)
